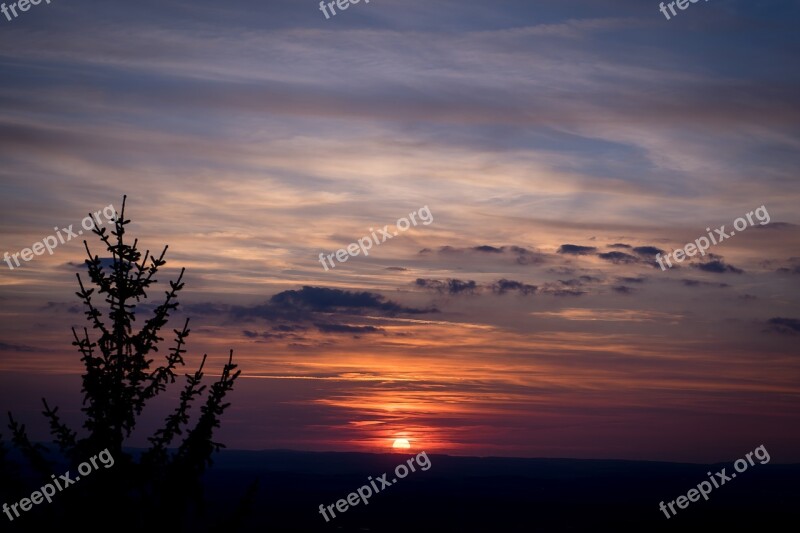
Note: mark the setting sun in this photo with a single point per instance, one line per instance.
(401, 444)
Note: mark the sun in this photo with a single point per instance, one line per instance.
(401, 444)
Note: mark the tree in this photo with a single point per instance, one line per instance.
(119, 380)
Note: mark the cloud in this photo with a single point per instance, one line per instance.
(623, 289)
(698, 283)
(574, 249)
(525, 256)
(5, 347)
(346, 328)
(717, 267)
(792, 266)
(518, 254)
(206, 308)
(503, 286)
(648, 250)
(268, 335)
(279, 332)
(106, 262)
(611, 315)
(561, 289)
(457, 286)
(618, 257)
(287, 328)
(631, 280)
(619, 245)
(63, 306)
(283, 331)
(784, 325)
(488, 249)
(569, 287)
(450, 286)
(776, 226)
(310, 305)
(322, 299)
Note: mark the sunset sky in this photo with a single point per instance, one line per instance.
(558, 146)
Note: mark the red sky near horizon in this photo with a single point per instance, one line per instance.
(557, 148)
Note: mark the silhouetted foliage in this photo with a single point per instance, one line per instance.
(163, 484)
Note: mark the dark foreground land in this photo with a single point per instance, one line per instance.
(464, 494)
(467, 494)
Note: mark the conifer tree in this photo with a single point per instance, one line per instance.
(119, 380)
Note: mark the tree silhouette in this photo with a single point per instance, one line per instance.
(119, 380)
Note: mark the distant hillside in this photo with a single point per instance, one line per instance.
(467, 494)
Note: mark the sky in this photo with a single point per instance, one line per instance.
(549, 151)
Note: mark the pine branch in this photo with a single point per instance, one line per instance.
(164, 436)
(64, 437)
(155, 264)
(145, 341)
(95, 384)
(31, 452)
(163, 374)
(198, 446)
(3, 453)
(93, 315)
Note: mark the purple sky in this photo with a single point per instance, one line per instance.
(558, 146)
